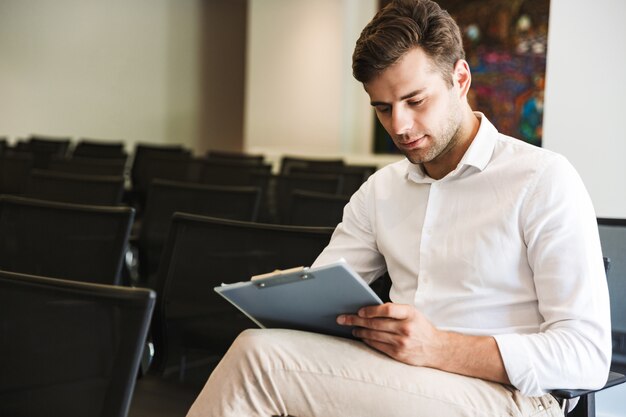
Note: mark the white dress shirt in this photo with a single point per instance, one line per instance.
(505, 245)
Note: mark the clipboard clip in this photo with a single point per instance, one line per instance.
(281, 277)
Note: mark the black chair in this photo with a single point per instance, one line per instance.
(69, 348)
(175, 167)
(202, 253)
(219, 171)
(62, 240)
(234, 156)
(91, 148)
(89, 165)
(144, 152)
(167, 197)
(352, 176)
(15, 170)
(73, 188)
(288, 163)
(613, 239)
(310, 208)
(44, 148)
(278, 190)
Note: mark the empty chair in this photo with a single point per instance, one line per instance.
(352, 176)
(234, 156)
(285, 185)
(144, 152)
(75, 188)
(15, 170)
(309, 208)
(287, 163)
(89, 165)
(232, 172)
(99, 149)
(68, 348)
(62, 240)
(53, 144)
(203, 252)
(44, 148)
(167, 197)
(176, 167)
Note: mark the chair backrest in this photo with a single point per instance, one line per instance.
(167, 197)
(352, 176)
(63, 240)
(99, 149)
(287, 163)
(76, 188)
(89, 165)
(44, 148)
(286, 184)
(68, 348)
(232, 172)
(613, 240)
(234, 156)
(144, 152)
(15, 170)
(175, 167)
(309, 208)
(202, 253)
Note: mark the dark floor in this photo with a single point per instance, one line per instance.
(167, 396)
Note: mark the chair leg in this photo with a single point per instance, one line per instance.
(586, 407)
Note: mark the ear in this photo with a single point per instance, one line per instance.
(462, 77)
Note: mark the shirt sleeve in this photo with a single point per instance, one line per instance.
(354, 239)
(572, 350)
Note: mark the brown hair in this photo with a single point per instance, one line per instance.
(401, 26)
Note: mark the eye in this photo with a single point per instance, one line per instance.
(382, 109)
(416, 103)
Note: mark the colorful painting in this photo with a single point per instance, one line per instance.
(505, 45)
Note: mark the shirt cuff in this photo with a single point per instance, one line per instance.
(518, 364)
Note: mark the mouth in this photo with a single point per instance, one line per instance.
(412, 143)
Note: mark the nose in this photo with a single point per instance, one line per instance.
(401, 120)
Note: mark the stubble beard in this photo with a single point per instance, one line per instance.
(440, 142)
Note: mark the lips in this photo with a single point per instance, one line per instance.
(412, 143)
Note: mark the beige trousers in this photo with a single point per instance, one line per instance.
(285, 372)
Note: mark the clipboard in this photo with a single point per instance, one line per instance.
(302, 298)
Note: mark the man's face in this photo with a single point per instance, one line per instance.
(418, 107)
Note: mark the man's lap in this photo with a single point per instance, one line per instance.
(274, 372)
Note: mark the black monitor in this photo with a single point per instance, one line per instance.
(613, 239)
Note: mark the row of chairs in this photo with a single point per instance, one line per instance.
(91, 180)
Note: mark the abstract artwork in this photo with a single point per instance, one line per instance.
(505, 45)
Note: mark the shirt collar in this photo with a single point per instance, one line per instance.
(477, 155)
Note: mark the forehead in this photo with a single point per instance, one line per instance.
(414, 71)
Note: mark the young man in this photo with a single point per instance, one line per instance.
(499, 293)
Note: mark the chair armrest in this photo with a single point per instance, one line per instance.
(614, 379)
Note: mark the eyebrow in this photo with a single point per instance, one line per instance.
(404, 97)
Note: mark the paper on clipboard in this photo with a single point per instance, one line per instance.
(302, 298)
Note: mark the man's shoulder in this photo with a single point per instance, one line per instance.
(510, 147)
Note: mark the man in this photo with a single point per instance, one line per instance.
(498, 290)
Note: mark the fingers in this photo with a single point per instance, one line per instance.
(367, 316)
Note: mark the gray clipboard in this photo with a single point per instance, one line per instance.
(305, 299)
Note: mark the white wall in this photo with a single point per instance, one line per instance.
(585, 93)
(300, 96)
(115, 69)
